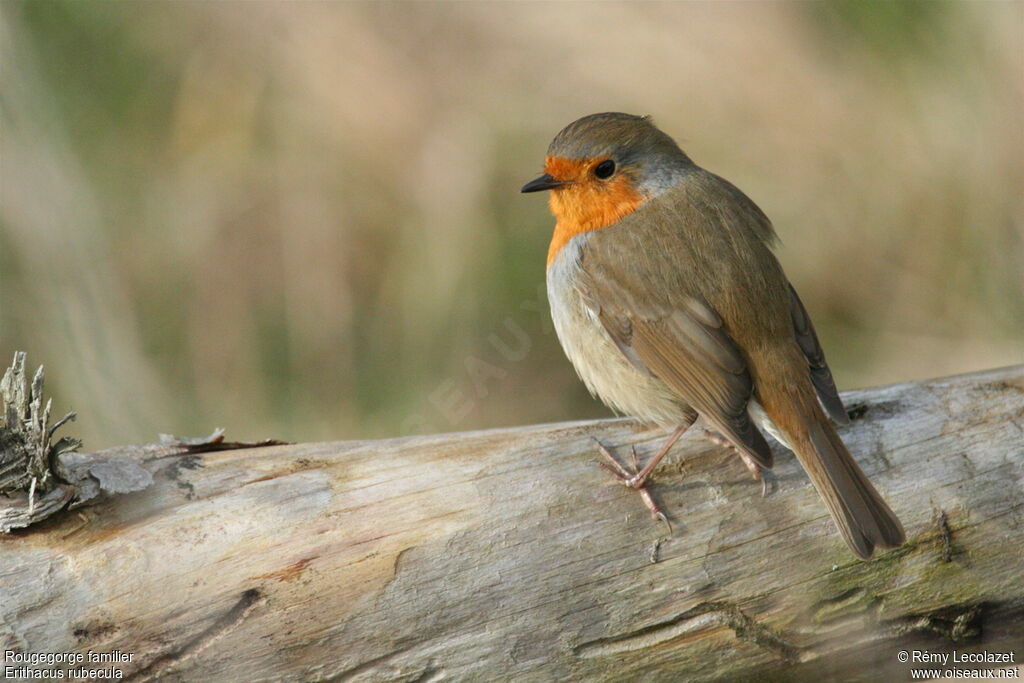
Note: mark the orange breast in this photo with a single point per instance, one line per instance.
(588, 203)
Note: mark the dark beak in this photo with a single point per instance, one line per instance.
(545, 182)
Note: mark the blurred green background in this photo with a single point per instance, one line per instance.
(302, 220)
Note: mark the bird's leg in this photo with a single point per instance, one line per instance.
(637, 479)
(630, 479)
(755, 469)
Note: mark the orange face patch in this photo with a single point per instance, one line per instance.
(586, 203)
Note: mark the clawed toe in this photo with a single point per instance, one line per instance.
(755, 469)
(612, 465)
(637, 479)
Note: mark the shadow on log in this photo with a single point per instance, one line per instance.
(509, 554)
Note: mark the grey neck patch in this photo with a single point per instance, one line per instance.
(654, 182)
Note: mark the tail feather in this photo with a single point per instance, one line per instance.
(863, 518)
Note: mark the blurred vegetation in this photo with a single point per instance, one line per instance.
(301, 220)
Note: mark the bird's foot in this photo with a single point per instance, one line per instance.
(635, 479)
(755, 469)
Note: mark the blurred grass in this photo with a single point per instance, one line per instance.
(301, 220)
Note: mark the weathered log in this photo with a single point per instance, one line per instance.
(508, 554)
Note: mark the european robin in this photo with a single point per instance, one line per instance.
(667, 299)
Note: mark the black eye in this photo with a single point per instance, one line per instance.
(605, 169)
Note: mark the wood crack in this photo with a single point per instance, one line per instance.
(353, 671)
(705, 616)
(221, 627)
(946, 535)
(957, 623)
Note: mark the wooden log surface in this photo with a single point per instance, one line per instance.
(507, 554)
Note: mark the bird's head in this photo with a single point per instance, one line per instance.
(602, 167)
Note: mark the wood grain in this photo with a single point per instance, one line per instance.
(508, 554)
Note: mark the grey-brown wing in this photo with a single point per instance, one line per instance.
(821, 376)
(688, 348)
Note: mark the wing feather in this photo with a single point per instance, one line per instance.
(690, 351)
(821, 376)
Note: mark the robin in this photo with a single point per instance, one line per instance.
(667, 299)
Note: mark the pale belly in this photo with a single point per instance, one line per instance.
(600, 364)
